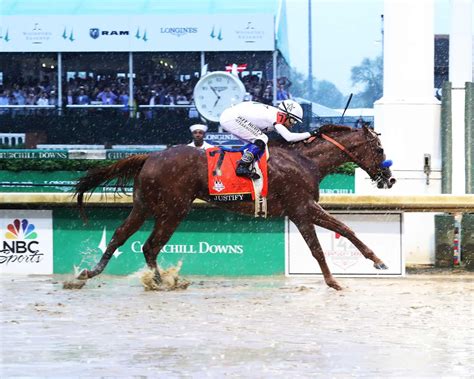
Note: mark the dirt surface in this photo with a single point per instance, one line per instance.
(418, 326)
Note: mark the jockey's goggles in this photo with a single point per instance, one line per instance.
(293, 121)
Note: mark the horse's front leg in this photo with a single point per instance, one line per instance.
(322, 218)
(309, 234)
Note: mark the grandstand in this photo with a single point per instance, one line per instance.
(74, 78)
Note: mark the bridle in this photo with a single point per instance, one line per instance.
(349, 154)
(339, 146)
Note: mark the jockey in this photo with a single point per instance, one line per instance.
(251, 120)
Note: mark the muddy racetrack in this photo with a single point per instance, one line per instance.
(418, 326)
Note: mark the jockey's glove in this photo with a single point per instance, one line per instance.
(314, 133)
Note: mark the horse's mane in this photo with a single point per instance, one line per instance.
(332, 128)
(326, 129)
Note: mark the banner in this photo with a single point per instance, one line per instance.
(209, 242)
(380, 232)
(74, 33)
(64, 181)
(33, 154)
(26, 242)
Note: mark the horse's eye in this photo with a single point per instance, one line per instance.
(380, 150)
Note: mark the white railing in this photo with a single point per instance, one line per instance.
(28, 106)
(12, 139)
(69, 147)
(91, 106)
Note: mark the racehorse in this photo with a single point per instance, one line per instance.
(167, 182)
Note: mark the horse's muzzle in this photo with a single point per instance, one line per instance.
(384, 178)
(386, 183)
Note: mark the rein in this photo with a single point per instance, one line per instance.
(339, 146)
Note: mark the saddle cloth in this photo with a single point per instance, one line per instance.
(224, 185)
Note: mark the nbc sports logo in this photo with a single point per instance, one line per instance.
(24, 229)
(26, 242)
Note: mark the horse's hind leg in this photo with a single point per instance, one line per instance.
(135, 219)
(309, 234)
(321, 218)
(166, 223)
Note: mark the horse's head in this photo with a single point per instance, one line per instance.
(363, 147)
(371, 158)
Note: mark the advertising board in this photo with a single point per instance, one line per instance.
(26, 242)
(380, 232)
(64, 181)
(88, 32)
(209, 242)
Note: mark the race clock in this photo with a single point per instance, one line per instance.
(216, 92)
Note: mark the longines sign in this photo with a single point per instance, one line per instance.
(76, 33)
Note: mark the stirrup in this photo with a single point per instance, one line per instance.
(243, 169)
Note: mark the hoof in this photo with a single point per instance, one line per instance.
(381, 266)
(334, 284)
(84, 275)
(157, 277)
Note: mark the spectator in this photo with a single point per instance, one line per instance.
(107, 97)
(282, 94)
(83, 99)
(53, 100)
(31, 99)
(123, 98)
(359, 123)
(69, 98)
(267, 97)
(43, 100)
(199, 131)
(19, 96)
(3, 101)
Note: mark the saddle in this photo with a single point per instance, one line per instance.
(226, 186)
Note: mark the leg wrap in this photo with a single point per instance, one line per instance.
(257, 148)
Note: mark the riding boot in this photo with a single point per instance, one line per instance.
(245, 166)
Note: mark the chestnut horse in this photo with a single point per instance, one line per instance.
(167, 182)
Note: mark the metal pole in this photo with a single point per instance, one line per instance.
(444, 237)
(310, 54)
(469, 136)
(130, 83)
(382, 32)
(275, 55)
(60, 81)
(203, 61)
(446, 140)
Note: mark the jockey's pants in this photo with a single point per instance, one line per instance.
(241, 127)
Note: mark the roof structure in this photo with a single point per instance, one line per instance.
(151, 7)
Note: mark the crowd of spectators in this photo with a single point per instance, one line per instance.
(262, 90)
(110, 90)
(29, 92)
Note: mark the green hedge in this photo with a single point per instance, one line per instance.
(52, 164)
(86, 164)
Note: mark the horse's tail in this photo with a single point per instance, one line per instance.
(123, 171)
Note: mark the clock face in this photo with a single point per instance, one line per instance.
(216, 92)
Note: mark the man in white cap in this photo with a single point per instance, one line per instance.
(198, 131)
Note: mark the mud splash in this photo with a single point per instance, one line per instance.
(74, 284)
(170, 280)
